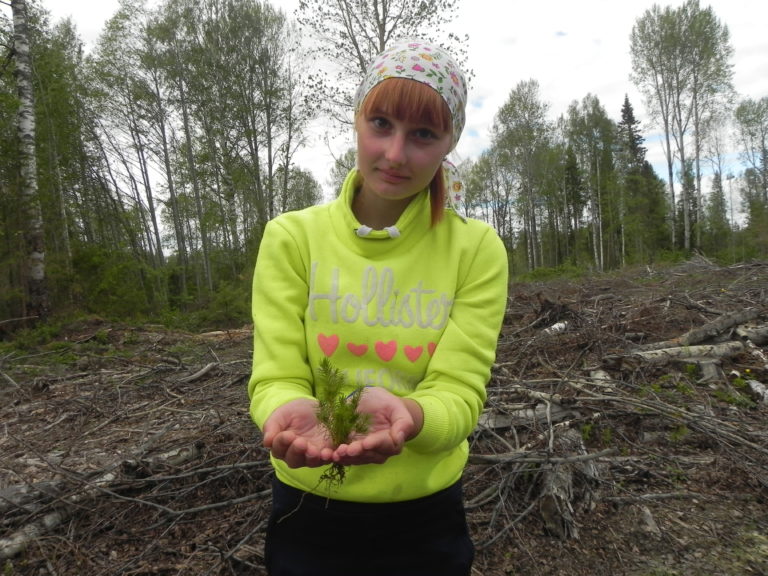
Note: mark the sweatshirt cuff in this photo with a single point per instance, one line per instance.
(434, 431)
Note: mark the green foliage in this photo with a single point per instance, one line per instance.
(684, 388)
(11, 302)
(679, 433)
(227, 307)
(40, 335)
(692, 371)
(739, 383)
(341, 167)
(716, 221)
(112, 284)
(589, 432)
(337, 411)
(677, 475)
(672, 256)
(732, 397)
(546, 274)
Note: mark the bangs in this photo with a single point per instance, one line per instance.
(410, 101)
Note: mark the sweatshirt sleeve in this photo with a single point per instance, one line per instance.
(280, 371)
(453, 391)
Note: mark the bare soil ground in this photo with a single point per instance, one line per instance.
(128, 449)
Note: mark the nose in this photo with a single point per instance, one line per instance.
(395, 152)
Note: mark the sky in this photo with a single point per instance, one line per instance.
(571, 47)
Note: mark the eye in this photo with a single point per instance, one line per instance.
(379, 122)
(425, 134)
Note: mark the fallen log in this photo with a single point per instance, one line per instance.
(536, 457)
(758, 335)
(758, 390)
(707, 331)
(65, 507)
(26, 498)
(682, 353)
(539, 414)
(758, 353)
(19, 540)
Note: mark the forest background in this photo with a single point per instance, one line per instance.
(136, 178)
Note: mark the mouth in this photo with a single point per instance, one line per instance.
(392, 175)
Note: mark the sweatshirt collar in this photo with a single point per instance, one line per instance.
(414, 221)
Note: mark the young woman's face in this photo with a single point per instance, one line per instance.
(397, 158)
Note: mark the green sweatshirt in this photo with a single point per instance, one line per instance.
(416, 309)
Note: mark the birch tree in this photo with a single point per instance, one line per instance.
(652, 45)
(681, 63)
(522, 134)
(128, 106)
(591, 134)
(34, 235)
(713, 90)
(183, 52)
(491, 190)
(751, 118)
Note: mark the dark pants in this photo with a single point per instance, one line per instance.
(312, 536)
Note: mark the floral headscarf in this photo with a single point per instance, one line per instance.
(431, 65)
(425, 63)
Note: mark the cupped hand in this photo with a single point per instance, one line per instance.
(294, 434)
(390, 424)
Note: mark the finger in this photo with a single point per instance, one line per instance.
(326, 455)
(359, 452)
(304, 452)
(383, 441)
(270, 431)
(400, 430)
(364, 458)
(281, 442)
(296, 453)
(317, 455)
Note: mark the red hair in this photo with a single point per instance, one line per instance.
(417, 103)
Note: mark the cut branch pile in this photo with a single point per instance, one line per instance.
(154, 437)
(607, 388)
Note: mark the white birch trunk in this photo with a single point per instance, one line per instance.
(37, 305)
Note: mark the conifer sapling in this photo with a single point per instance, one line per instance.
(337, 412)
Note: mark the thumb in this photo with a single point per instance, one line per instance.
(401, 429)
(270, 429)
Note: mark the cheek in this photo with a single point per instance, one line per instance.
(366, 146)
(434, 155)
(365, 158)
(430, 162)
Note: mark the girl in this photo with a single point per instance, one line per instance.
(406, 298)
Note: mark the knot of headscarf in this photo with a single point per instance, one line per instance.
(454, 187)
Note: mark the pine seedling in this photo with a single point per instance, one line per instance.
(337, 412)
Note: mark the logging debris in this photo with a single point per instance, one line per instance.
(630, 438)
